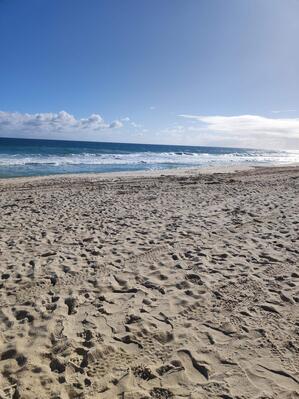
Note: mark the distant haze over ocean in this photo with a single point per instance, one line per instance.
(28, 157)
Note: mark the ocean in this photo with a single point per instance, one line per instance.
(28, 157)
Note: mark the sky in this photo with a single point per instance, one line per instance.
(194, 72)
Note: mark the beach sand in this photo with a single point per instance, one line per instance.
(178, 285)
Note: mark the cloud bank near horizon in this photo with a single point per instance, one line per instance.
(248, 130)
(214, 130)
(43, 123)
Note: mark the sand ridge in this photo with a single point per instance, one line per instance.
(175, 286)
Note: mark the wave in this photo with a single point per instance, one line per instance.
(152, 158)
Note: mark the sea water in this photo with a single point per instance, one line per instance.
(29, 157)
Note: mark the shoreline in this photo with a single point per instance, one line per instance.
(149, 173)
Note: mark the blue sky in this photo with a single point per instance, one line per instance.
(203, 72)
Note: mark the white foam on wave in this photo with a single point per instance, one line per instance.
(152, 158)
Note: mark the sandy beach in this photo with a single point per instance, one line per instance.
(173, 285)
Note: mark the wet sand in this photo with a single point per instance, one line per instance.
(173, 285)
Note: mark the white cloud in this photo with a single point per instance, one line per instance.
(116, 124)
(129, 121)
(136, 125)
(43, 123)
(94, 122)
(248, 130)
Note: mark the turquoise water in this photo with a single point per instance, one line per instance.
(26, 157)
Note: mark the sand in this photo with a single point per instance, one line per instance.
(141, 286)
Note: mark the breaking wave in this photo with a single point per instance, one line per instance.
(152, 158)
